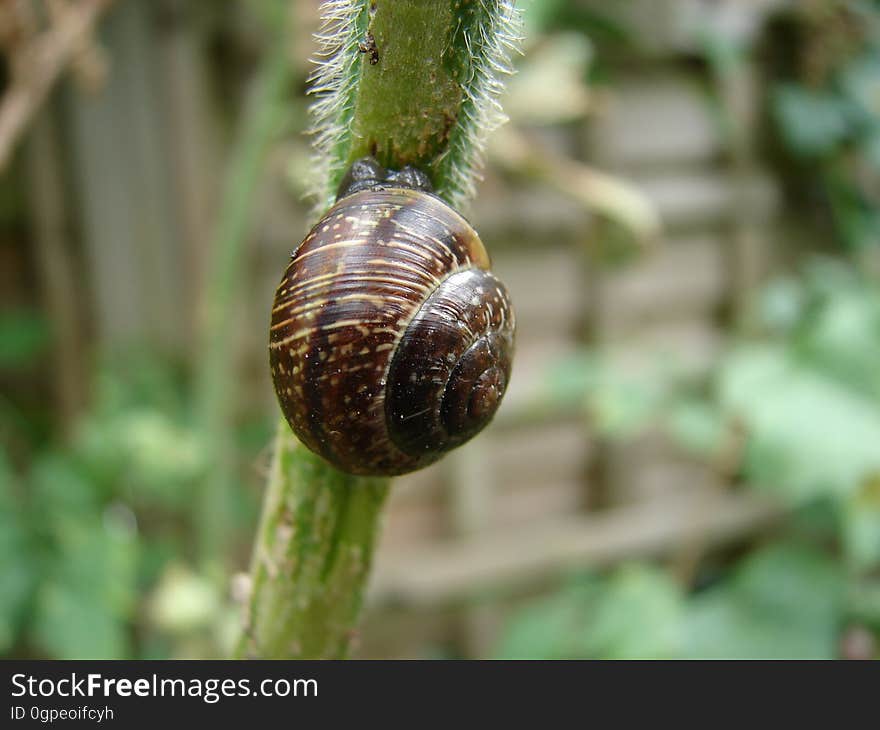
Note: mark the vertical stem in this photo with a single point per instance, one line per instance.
(405, 109)
(194, 141)
(311, 559)
(57, 269)
(223, 283)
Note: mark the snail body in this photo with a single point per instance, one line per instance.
(391, 341)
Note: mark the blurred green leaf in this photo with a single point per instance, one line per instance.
(144, 449)
(70, 624)
(622, 408)
(163, 456)
(60, 491)
(635, 613)
(539, 15)
(861, 526)
(571, 378)
(812, 122)
(844, 338)
(725, 53)
(860, 83)
(783, 602)
(17, 569)
(781, 305)
(619, 405)
(637, 616)
(864, 602)
(871, 147)
(807, 434)
(698, 426)
(552, 627)
(84, 605)
(23, 336)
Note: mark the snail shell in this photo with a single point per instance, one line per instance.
(391, 341)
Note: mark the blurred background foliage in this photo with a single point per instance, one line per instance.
(109, 477)
(795, 394)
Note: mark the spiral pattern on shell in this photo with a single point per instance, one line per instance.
(391, 341)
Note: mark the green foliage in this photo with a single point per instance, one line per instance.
(831, 124)
(69, 564)
(808, 435)
(548, 16)
(783, 602)
(805, 399)
(87, 594)
(634, 612)
(809, 398)
(24, 335)
(860, 526)
(793, 410)
(864, 603)
(697, 425)
(841, 336)
(17, 576)
(813, 123)
(802, 400)
(139, 437)
(89, 531)
(810, 401)
(617, 403)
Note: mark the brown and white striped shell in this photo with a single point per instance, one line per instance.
(391, 341)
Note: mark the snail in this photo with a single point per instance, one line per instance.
(391, 341)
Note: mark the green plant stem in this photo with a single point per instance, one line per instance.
(425, 93)
(311, 558)
(407, 103)
(214, 372)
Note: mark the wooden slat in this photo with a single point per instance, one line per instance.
(684, 277)
(507, 559)
(682, 128)
(687, 200)
(664, 28)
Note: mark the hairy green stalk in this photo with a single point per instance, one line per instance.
(411, 83)
(311, 559)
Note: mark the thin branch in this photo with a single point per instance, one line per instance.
(39, 66)
(592, 188)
